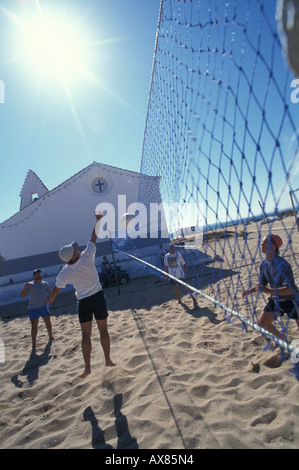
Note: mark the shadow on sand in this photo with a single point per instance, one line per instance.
(124, 441)
(32, 366)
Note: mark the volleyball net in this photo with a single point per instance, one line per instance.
(221, 135)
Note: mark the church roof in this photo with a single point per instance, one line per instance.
(109, 168)
(32, 185)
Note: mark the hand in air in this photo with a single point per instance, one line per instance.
(98, 215)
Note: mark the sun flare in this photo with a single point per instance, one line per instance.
(53, 47)
(58, 53)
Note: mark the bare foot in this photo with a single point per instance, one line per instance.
(109, 363)
(85, 373)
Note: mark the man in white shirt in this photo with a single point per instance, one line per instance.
(175, 265)
(80, 271)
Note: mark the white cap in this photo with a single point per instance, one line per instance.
(66, 252)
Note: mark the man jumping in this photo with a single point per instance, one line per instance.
(80, 271)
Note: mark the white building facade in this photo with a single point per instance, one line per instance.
(47, 220)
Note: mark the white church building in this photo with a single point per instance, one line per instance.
(50, 219)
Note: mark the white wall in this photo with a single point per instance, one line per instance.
(65, 214)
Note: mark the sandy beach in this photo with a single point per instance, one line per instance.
(186, 377)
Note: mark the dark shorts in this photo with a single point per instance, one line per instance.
(282, 306)
(94, 305)
(35, 313)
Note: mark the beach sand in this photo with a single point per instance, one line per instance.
(186, 378)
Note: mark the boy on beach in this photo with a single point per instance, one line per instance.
(80, 271)
(276, 272)
(175, 265)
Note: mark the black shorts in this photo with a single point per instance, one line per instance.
(282, 306)
(94, 305)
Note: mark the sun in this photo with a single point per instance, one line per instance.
(58, 52)
(53, 47)
(57, 47)
(52, 43)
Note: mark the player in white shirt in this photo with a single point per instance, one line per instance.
(175, 265)
(80, 271)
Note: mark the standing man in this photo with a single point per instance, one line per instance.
(162, 254)
(106, 269)
(80, 271)
(277, 273)
(39, 293)
(175, 265)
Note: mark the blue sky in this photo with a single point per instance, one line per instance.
(56, 128)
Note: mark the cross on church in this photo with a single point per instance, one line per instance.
(99, 184)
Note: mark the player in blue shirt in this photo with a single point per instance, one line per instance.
(276, 273)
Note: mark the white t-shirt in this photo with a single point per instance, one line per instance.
(174, 263)
(82, 275)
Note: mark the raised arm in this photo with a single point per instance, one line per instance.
(24, 290)
(94, 236)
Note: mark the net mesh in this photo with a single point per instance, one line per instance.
(222, 131)
(221, 128)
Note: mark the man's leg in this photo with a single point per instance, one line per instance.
(177, 293)
(105, 341)
(34, 326)
(266, 320)
(48, 324)
(86, 346)
(189, 292)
